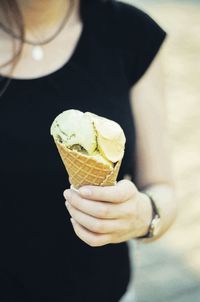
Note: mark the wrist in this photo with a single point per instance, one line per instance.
(154, 226)
(146, 214)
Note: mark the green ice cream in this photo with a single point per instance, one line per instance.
(90, 134)
(110, 137)
(75, 130)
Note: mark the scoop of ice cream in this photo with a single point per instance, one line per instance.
(90, 134)
(99, 158)
(74, 128)
(110, 137)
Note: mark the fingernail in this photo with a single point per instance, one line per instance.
(72, 221)
(67, 204)
(67, 194)
(85, 191)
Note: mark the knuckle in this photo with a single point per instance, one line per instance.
(96, 242)
(121, 195)
(124, 227)
(130, 215)
(107, 239)
(76, 201)
(131, 211)
(129, 189)
(116, 239)
(73, 199)
(98, 227)
(104, 212)
(118, 195)
(93, 242)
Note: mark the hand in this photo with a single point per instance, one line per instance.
(113, 214)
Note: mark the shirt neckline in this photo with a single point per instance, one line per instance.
(67, 63)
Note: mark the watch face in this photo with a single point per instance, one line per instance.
(156, 225)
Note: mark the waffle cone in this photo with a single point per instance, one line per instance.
(85, 170)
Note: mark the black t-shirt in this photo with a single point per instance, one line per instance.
(41, 259)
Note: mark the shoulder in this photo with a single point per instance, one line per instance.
(127, 13)
(130, 32)
(126, 23)
(128, 16)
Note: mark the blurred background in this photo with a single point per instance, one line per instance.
(169, 269)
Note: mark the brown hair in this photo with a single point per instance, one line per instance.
(12, 21)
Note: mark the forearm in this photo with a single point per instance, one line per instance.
(165, 199)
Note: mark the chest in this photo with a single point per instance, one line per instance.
(55, 53)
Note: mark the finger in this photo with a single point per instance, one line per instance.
(120, 192)
(92, 239)
(93, 224)
(93, 208)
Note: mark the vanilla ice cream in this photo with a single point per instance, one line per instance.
(90, 133)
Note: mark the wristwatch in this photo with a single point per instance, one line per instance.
(154, 226)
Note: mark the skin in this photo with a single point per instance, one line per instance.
(57, 52)
(42, 14)
(102, 215)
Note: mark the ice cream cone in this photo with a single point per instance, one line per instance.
(85, 170)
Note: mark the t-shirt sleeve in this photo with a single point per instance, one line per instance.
(140, 40)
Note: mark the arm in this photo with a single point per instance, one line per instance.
(102, 215)
(153, 162)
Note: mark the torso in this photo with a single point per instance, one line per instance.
(34, 223)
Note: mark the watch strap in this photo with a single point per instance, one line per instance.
(155, 219)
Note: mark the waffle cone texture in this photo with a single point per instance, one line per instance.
(85, 170)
